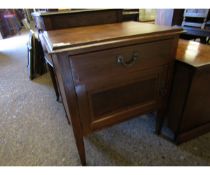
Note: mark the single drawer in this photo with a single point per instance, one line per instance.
(100, 67)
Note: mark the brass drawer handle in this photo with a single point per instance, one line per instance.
(129, 63)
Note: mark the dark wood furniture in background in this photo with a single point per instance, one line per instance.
(51, 68)
(112, 72)
(75, 18)
(9, 23)
(189, 111)
(55, 19)
(130, 14)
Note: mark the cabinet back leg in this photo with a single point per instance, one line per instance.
(159, 122)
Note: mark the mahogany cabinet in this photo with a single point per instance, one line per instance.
(189, 112)
(109, 73)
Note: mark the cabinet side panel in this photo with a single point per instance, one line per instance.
(177, 100)
(197, 111)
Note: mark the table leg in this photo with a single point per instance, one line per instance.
(52, 75)
(159, 121)
(80, 146)
(69, 98)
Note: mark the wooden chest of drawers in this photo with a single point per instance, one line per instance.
(110, 73)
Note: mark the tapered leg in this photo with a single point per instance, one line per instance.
(159, 121)
(68, 120)
(80, 147)
(69, 98)
(52, 75)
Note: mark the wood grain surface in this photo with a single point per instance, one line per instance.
(193, 53)
(77, 36)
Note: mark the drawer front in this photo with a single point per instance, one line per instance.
(102, 66)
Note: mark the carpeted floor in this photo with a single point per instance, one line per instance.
(34, 130)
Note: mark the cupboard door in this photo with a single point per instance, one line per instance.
(100, 107)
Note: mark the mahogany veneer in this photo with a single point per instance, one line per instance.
(110, 73)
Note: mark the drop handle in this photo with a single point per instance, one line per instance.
(129, 63)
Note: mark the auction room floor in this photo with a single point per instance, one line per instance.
(34, 130)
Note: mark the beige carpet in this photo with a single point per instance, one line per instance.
(34, 130)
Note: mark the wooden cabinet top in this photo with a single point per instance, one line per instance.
(193, 53)
(89, 36)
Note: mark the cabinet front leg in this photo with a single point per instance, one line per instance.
(80, 147)
(69, 98)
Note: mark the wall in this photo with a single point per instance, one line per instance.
(147, 14)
